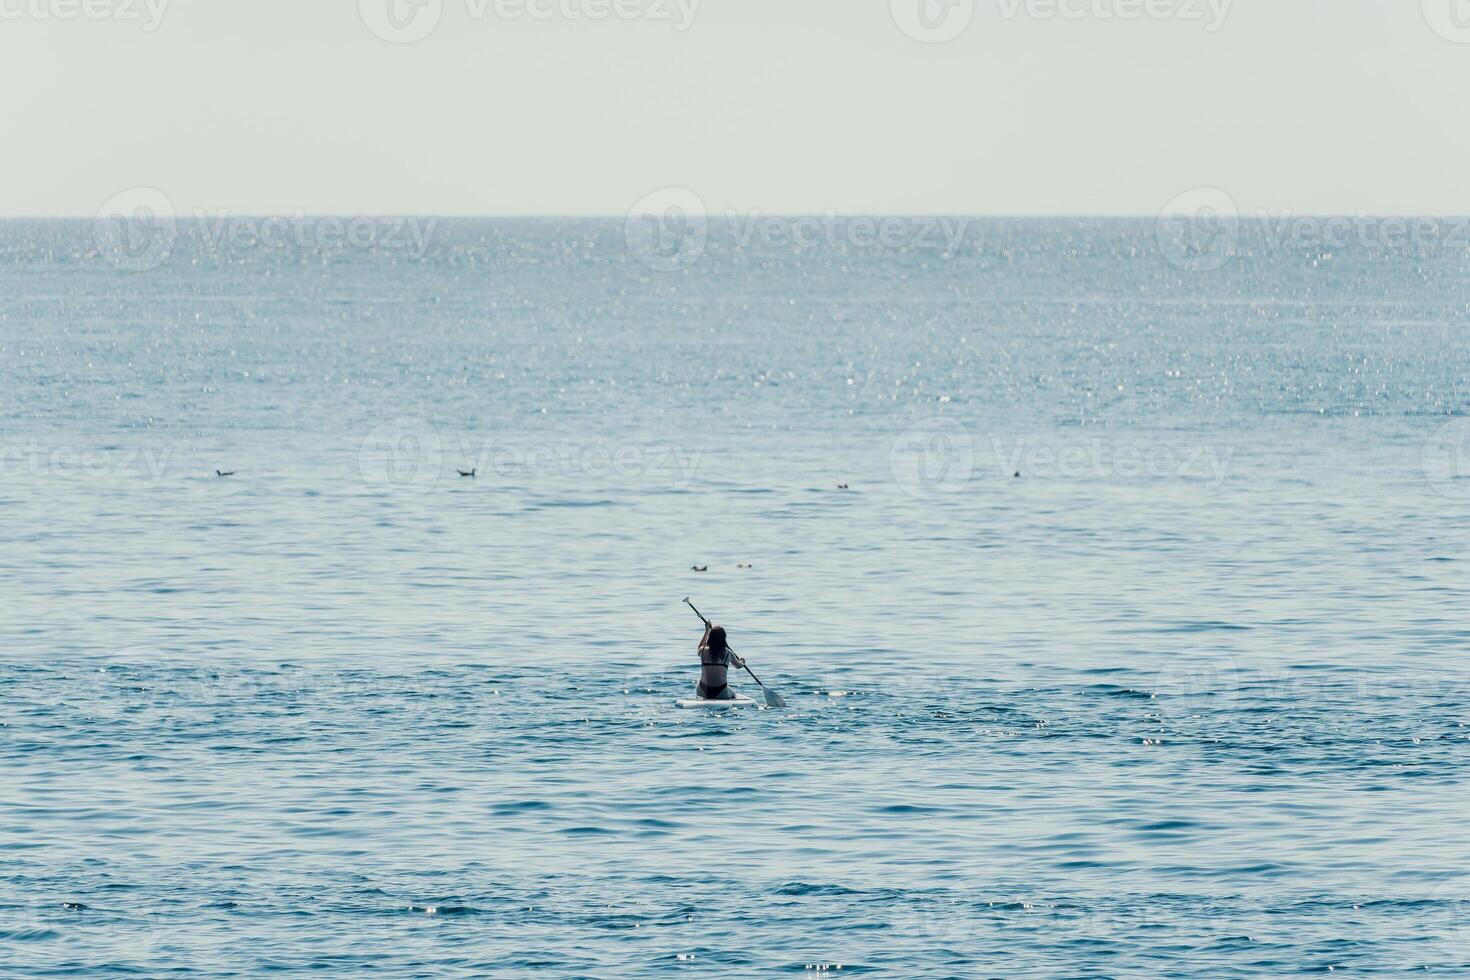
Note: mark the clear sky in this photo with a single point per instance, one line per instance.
(543, 107)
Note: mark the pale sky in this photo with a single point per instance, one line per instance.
(781, 106)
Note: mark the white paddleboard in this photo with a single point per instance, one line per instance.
(692, 704)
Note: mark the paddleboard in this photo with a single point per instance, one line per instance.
(692, 704)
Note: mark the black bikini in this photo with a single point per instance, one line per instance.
(708, 659)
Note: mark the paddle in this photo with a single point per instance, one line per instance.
(773, 700)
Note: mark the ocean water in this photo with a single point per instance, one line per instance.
(1187, 697)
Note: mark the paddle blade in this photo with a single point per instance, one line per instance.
(773, 700)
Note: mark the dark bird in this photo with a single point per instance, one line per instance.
(699, 568)
(746, 566)
(470, 474)
(843, 486)
(1018, 474)
(222, 473)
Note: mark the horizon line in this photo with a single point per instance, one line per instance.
(597, 216)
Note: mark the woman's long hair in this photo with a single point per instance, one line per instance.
(717, 642)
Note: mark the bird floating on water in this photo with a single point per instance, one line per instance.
(470, 474)
(223, 473)
(699, 568)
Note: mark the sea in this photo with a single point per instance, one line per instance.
(1113, 571)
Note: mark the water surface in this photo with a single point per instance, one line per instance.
(1186, 698)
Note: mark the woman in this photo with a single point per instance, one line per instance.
(715, 658)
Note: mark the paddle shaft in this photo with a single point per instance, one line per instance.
(707, 623)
